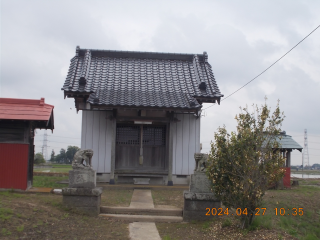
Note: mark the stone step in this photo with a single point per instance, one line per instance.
(142, 218)
(142, 211)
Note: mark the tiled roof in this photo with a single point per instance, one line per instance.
(119, 78)
(287, 142)
(26, 109)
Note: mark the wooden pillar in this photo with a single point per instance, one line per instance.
(113, 150)
(284, 155)
(288, 161)
(170, 182)
(141, 145)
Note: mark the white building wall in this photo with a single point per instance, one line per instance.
(186, 142)
(96, 134)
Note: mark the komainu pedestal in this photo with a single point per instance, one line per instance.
(82, 195)
(83, 200)
(199, 198)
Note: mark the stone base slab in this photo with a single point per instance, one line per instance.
(82, 178)
(144, 181)
(83, 200)
(197, 205)
(199, 196)
(82, 191)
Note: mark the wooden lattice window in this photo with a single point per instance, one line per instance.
(128, 135)
(154, 136)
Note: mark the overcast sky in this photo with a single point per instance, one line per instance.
(242, 38)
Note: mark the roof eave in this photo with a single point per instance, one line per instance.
(71, 94)
(104, 106)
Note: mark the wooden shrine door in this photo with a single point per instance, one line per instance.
(140, 147)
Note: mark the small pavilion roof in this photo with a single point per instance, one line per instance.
(287, 142)
(27, 110)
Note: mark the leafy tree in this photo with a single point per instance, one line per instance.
(57, 158)
(38, 158)
(52, 158)
(242, 164)
(71, 150)
(316, 165)
(63, 156)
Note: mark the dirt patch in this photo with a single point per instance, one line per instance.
(221, 228)
(168, 197)
(35, 216)
(272, 225)
(308, 181)
(116, 197)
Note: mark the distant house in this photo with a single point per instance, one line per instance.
(287, 145)
(141, 111)
(18, 120)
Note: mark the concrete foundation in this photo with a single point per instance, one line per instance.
(83, 200)
(199, 200)
(198, 206)
(82, 195)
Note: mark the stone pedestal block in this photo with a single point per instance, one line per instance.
(199, 200)
(200, 183)
(82, 178)
(83, 200)
(143, 181)
(197, 205)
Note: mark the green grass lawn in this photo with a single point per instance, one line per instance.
(56, 168)
(303, 226)
(49, 181)
(299, 215)
(62, 166)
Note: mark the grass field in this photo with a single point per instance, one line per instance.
(55, 168)
(49, 181)
(42, 216)
(272, 225)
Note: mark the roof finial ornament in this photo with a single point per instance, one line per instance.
(77, 50)
(205, 57)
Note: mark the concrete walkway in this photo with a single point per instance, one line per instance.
(142, 230)
(141, 199)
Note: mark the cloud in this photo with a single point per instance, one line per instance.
(38, 39)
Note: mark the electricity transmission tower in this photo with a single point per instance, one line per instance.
(305, 154)
(44, 146)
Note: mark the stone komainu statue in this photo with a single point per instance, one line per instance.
(80, 157)
(201, 162)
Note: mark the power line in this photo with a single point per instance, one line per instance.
(59, 136)
(266, 68)
(59, 142)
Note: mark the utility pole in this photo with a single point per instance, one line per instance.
(44, 146)
(305, 154)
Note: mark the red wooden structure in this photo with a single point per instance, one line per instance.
(286, 178)
(287, 145)
(18, 119)
(13, 165)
